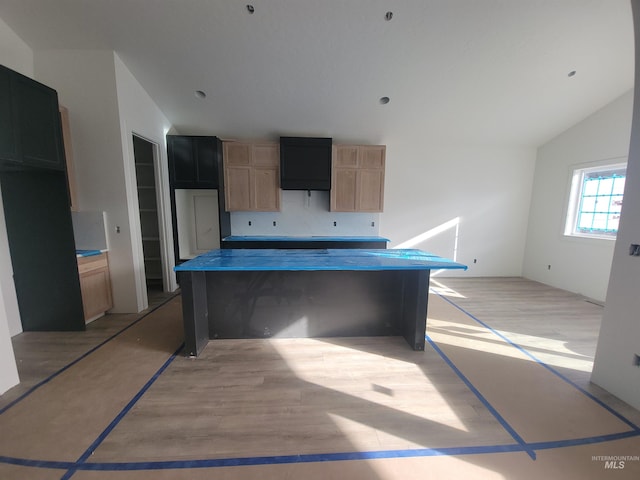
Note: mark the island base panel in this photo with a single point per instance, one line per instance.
(194, 311)
(289, 304)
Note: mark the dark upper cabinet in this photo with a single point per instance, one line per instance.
(193, 161)
(30, 130)
(8, 131)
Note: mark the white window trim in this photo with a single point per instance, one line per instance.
(574, 193)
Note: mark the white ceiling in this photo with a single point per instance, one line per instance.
(462, 71)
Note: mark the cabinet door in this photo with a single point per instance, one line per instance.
(370, 190)
(182, 162)
(372, 156)
(266, 183)
(8, 130)
(371, 178)
(206, 162)
(42, 248)
(38, 124)
(346, 156)
(96, 292)
(266, 177)
(236, 154)
(193, 161)
(266, 155)
(237, 181)
(343, 190)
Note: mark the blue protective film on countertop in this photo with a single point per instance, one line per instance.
(87, 253)
(317, 259)
(282, 238)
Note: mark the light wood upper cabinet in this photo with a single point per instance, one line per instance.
(252, 176)
(357, 183)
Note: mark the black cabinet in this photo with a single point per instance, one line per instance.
(30, 130)
(42, 248)
(36, 203)
(8, 131)
(193, 161)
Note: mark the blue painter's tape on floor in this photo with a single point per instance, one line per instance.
(96, 443)
(69, 365)
(484, 401)
(544, 365)
(520, 446)
(327, 457)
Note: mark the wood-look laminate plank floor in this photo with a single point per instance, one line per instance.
(501, 391)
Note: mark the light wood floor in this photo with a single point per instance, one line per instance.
(502, 391)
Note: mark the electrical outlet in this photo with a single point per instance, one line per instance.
(475, 260)
(636, 360)
(634, 250)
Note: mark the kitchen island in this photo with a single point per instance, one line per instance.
(261, 293)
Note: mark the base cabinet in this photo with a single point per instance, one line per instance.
(95, 285)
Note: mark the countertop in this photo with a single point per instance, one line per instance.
(88, 253)
(317, 259)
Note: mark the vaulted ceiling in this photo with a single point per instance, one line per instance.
(463, 71)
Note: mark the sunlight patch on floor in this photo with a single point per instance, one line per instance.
(551, 351)
(441, 289)
(378, 380)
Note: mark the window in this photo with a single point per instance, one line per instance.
(596, 201)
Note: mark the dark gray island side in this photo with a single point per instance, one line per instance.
(312, 242)
(263, 293)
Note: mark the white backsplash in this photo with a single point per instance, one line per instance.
(304, 214)
(89, 230)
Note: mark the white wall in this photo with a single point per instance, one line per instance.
(460, 202)
(86, 85)
(9, 313)
(106, 106)
(14, 54)
(140, 115)
(619, 339)
(577, 264)
(302, 214)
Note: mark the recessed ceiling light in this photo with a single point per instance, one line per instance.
(384, 100)
(200, 94)
(250, 9)
(388, 16)
(571, 73)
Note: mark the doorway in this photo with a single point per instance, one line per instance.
(143, 152)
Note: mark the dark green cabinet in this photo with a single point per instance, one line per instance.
(8, 135)
(193, 161)
(42, 247)
(35, 198)
(30, 130)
